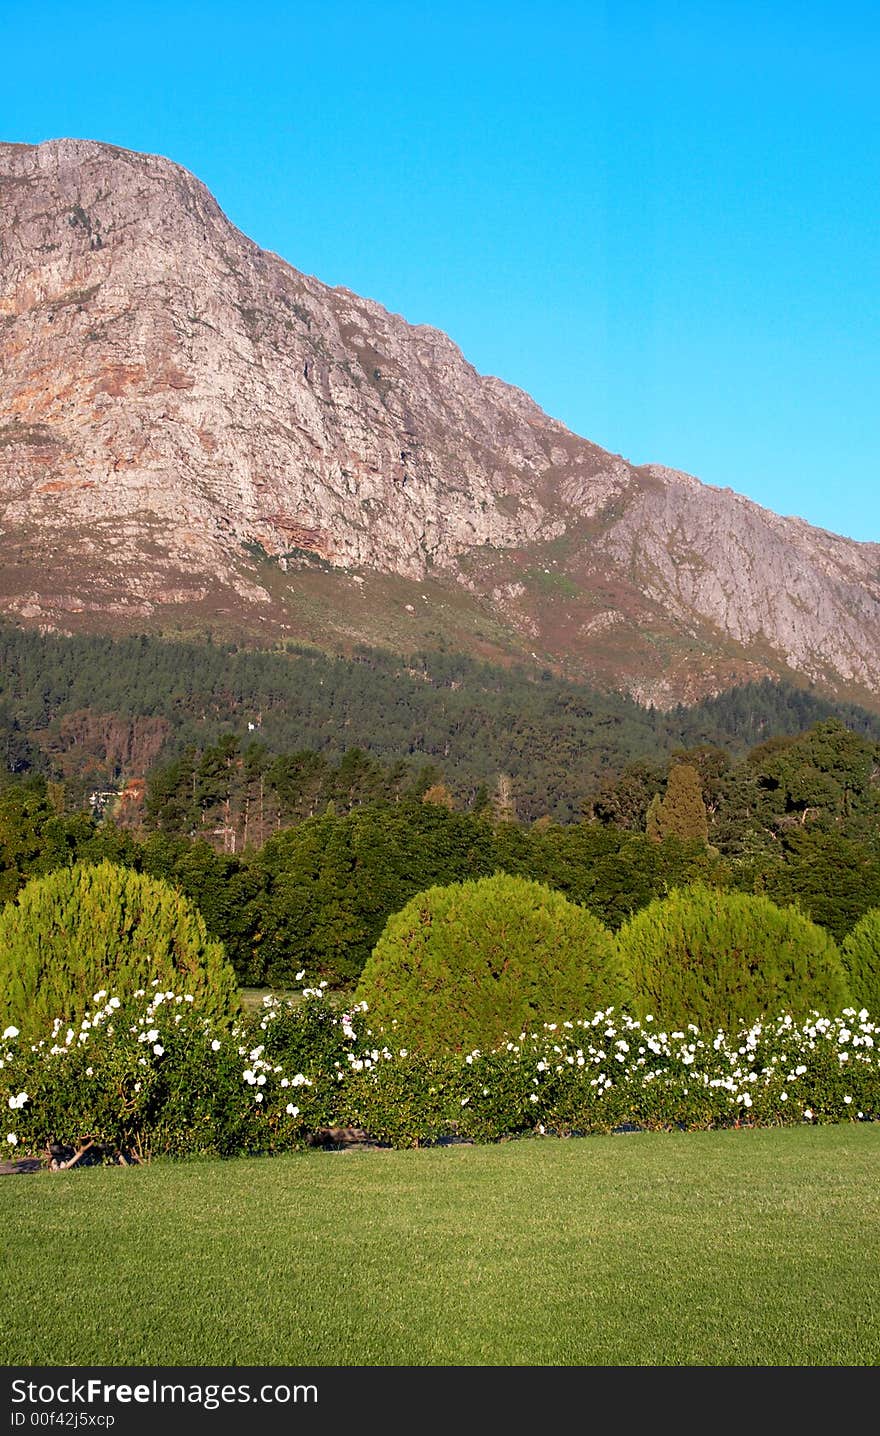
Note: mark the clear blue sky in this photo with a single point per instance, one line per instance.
(660, 218)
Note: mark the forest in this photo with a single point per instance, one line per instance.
(299, 800)
(96, 713)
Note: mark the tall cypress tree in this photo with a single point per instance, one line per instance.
(681, 813)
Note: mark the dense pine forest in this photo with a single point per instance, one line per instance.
(299, 799)
(96, 712)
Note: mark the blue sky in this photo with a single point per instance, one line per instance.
(659, 218)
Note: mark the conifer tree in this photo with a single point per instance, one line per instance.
(98, 926)
(681, 813)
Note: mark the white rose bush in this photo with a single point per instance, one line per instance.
(146, 1074)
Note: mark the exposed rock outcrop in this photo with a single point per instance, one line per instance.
(176, 404)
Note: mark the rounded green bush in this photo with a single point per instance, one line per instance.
(84, 928)
(719, 959)
(464, 966)
(861, 961)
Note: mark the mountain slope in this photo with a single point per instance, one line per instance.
(193, 433)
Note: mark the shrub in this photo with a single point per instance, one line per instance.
(861, 961)
(466, 965)
(88, 927)
(723, 958)
(149, 1076)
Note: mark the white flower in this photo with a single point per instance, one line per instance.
(215, 1045)
(261, 1080)
(258, 1097)
(533, 1096)
(847, 1100)
(808, 1114)
(90, 1071)
(158, 1048)
(10, 1032)
(12, 1139)
(290, 1109)
(152, 1035)
(300, 975)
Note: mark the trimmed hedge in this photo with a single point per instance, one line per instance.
(89, 927)
(720, 958)
(861, 961)
(150, 1076)
(464, 966)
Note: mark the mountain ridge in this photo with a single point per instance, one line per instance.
(193, 433)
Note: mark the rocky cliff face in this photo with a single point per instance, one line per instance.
(191, 431)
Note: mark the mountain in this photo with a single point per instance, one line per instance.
(193, 436)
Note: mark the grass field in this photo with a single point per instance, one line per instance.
(732, 1248)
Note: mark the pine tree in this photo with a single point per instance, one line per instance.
(681, 813)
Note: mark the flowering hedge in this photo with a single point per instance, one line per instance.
(147, 1074)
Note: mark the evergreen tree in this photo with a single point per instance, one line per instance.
(681, 812)
(100, 926)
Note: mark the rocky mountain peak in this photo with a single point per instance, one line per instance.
(191, 430)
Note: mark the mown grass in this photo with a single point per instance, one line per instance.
(751, 1247)
(251, 998)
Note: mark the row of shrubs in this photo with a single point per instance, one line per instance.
(468, 964)
(147, 1074)
(462, 966)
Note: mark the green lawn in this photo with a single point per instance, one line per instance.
(729, 1248)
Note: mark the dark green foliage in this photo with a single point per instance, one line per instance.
(468, 965)
(832, 878)
(861, 961)
(825, 773)
(797, 819)
(722, 958)
(557, 740)
(225, 890)
(36, 839)
(330, 884)
(322, 891)
(89, 927)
